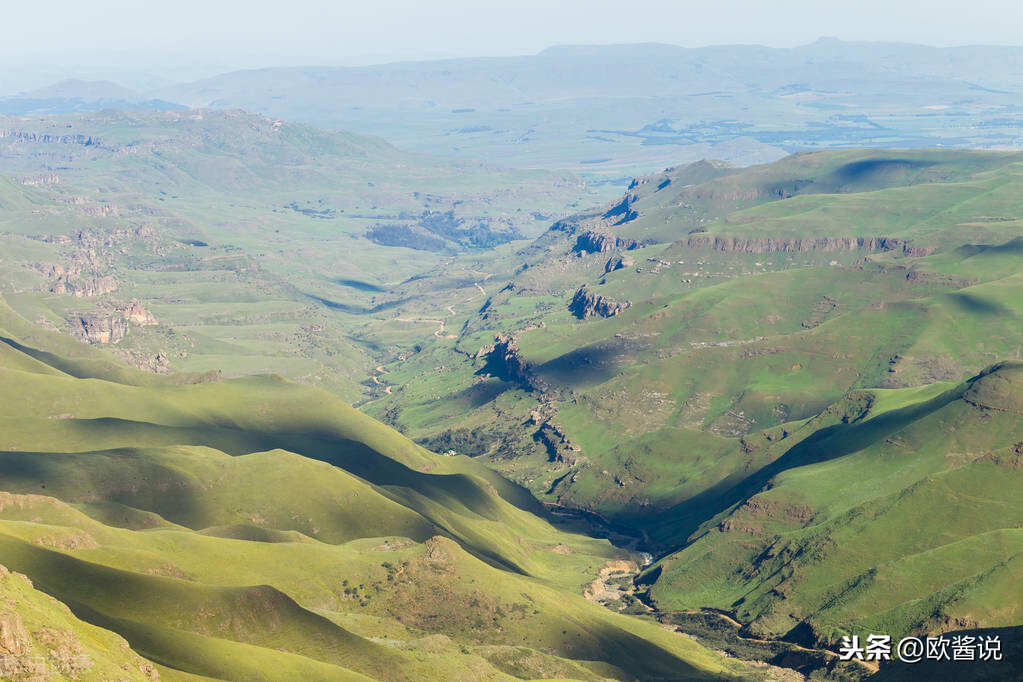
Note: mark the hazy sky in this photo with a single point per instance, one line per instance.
(182, 39)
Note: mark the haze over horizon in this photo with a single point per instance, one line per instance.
(143, 48)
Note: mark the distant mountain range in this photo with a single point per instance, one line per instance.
(620, 110)
(76, 96)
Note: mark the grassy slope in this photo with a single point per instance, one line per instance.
(244, 236)
(44, 640)
(195, 521)
(901, 522)
(730, 342)
(786, 425)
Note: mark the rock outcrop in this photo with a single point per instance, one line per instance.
(136, 313)
(109, 327)
(504, 360)
(98, 327)
(766, 244)
(622, 212)
(77, 280)
(587, 304)
(599, 242)
(559, 448)
(85, 286)
(618, 262)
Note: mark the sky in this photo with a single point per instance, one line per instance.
(146, 44)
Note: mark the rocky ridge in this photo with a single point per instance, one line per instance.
(729, 244)
(600, 242)
(109, 327)
(586, 304)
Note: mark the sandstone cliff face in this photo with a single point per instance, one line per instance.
(599, 242)
(135, 312)
(98, 327)
(80, 286)
(109, 327)
(587, 304)
(77, 279)
(22, 136)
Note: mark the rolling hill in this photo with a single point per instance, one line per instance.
(229, 528)
(252, 243)
(794, 384)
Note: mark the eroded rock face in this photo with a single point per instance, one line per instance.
(84, 286)
(13, 637)
(559, 447)
(618, 262)
(586, 304)
(109, 327)
(599, 242)
(98, 327)
(75, 280)
(135, 312)
(504, 360)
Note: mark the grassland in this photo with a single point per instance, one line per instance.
(249, 239)
(781, 414)
(807, 411)
(257, 529)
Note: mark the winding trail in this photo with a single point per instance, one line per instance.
(439, 332)
(380, 370)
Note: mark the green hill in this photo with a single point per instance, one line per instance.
(793, 383)
(230, 528)
(752, 298)
(900, 521)
(256, 245)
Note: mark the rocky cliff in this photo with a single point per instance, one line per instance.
(504, 360)
(135, 312)
(98, 327)
(74, 280)
(587, 304)
(600, 242)
(109, 327)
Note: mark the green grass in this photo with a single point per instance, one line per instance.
(896, 523)
(260, 529)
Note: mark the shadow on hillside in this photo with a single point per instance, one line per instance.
(581, 367)
(481, 393)
(826, 444)
(976, 305)
(359, 284)
(80, 369)
(877, 171)
(357, 309)
(417, 490)
(1013, 246)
